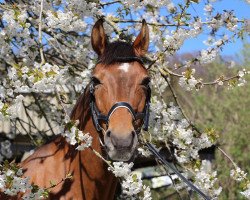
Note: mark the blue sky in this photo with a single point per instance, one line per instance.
(242, 11)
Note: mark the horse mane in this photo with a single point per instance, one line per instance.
(81, 110)
(117, 49)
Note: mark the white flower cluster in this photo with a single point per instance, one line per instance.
(211, 41)
(85, 140)
(226, 19)
(169, 125)
(238, 174)
(230, 20)
(17, 30)
(23, 79)
(75, 136)
(188, 84)
(206, 181)
(140, 4)
(121, 169)
(242, 81)
(65, 21)
(208, 8)
(132, 184)
(144, 151)
(38, 79)
(174, 41)
(207, 56)
(188, 81)
(12, 183)
(11, 111)
(159, 83)
(83, 8)
(246, 192)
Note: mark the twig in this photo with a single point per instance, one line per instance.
(42, 111)
(111, 23)
(228, 157)
(109, 3)
(31, 120)
(101, 157)
(139, 21)
(60, 101)
(40, 34)
(30, 136)
(223, 80)
(68, 176)
(179, 105)
(26, 123)
(162, 24)
(183, 10)
(165, 71)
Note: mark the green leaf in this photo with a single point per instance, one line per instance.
(52, 183)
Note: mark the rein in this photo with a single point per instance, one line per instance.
(153, 150)
(144, 115)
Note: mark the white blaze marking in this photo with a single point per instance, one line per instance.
(124, 67)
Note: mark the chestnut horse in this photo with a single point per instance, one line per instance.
(115, 102)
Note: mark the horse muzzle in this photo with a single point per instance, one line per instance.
(120, 148)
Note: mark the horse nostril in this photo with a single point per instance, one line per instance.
(133, 134)
(114, 141)
(108, 133)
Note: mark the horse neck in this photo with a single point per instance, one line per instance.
(92, 179)
(93, 170)
(82, 112)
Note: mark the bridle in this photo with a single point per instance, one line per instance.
(97, 116)
(144, 115)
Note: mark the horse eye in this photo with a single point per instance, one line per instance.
(145, 81)
(95, 81)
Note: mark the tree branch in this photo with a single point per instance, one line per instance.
(40, 34)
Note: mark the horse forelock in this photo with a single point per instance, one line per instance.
(116, 50)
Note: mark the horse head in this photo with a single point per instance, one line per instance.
(120, 89)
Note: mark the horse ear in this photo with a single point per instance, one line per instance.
(98, 37)
(142, 40)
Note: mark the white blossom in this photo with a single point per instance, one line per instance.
(208, 56)
(237, 174)
(188, 83)
(208, 8)
(121, 169)
(132, 185)
(205, 180)
(246, 193)
(86, 140)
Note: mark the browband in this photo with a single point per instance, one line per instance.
(125, 59)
